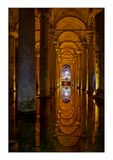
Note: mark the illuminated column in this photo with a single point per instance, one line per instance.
(59, 69)
(97, 71)
(84, 66)
(37, 69)
(44, 54)
(74, 67)
(58, 59)
(77, 70)
(79, 67)
(56, 73)
(86, 70)
(94, 62)
(12, 89)
(52, 59)
(55, 67)
(26, 60)
(37, 100)
(90, 62)
(82, 69)
(37, 105)
(99, 55)
(73, 71)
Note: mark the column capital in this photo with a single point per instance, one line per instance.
(89, 36)
(57, 44)
(52, 33)
(90, 21)
(57, 51)
(84, 42)
(37, 12)
(79, 52)
(45, 13)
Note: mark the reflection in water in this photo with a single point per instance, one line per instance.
(66, 93)
(37, 103)
(60, 126)
(68, 128)
(77, 122)
(66, 73)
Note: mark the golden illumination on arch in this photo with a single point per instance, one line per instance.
(71, 23)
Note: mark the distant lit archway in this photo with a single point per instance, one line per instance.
(66, 73)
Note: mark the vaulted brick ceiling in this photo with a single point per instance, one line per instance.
(70, 25)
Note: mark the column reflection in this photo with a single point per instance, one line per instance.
(70, 121)
(68, 129)
(77, 122)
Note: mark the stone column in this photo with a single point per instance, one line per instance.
(26, 60)
(84, 66)
(80, 72)
(56, 72)
(86, 70)
(12, 90)
(55, 68)
(94, 63)
(59, 79)
(73, 72)
(44, 54)
(52, 59)
(97, 72)
(99, 20)
(37, 70)
(77, 71)
(37, 105)
(90, 62)
(37, 96)
(58, 59)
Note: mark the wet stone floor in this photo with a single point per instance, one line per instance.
(69, 121)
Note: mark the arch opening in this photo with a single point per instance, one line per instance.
(66, 75)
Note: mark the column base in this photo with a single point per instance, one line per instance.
(83, 90)
(89, 91)
(98, 94)
(13, 140)
(78, 87)
(86, 91)
(37, 96)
